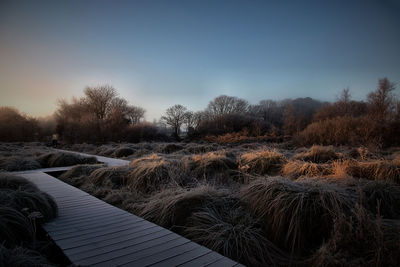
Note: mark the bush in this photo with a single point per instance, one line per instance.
(15, 126)
(261, 162)
(144, 132)
(297, 215)
(341, 131)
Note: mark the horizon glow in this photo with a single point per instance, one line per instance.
(160, 53)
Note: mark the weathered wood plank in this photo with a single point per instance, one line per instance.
(92, 232)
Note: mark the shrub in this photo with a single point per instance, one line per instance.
(318, 154)
(261, 162)
(234, 233)
(297, 215)
(60, 159)
(343, 130)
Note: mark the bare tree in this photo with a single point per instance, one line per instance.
(224, 104)
(175, 117)
(189, 120)
(99, 99)
(135, 114)
(382, 101)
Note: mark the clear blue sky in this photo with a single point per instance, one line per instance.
(160, 53)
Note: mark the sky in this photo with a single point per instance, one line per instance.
(160, 53)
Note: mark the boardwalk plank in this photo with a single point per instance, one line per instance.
(182, 258)
(92, 232)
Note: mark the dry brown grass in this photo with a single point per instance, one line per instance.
(374, 170)
(297, 215)
(60, 159)
(21, 257)
(148, 174)
(296, 169)
(382, 197)
(123, 152)
(233, 232)
(171, 148)
(113, 177)
(262, 162)
(78, 175)
(172, 207)
(22, 204)
(211, 164)
(318, 154)
(360, 240)
(18, 163)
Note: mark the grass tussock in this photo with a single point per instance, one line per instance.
(113, 177)
(15, 228)
(360, 239)
(374, 170)
(235, 233)
(296, 169)
(123, 152)
(148, 174)
(318, 154)
(18, 163)
(262, 162)
(21, 257)
(78, 175)
(171, 148)
(21, 195)
(211, 164)
(383, 198)
(172, 207)
(61, 159)
(297, 215)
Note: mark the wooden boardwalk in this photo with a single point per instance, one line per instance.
(92, 232)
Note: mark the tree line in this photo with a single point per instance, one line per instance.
(101, 116)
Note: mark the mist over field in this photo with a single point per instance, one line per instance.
(260, 133)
